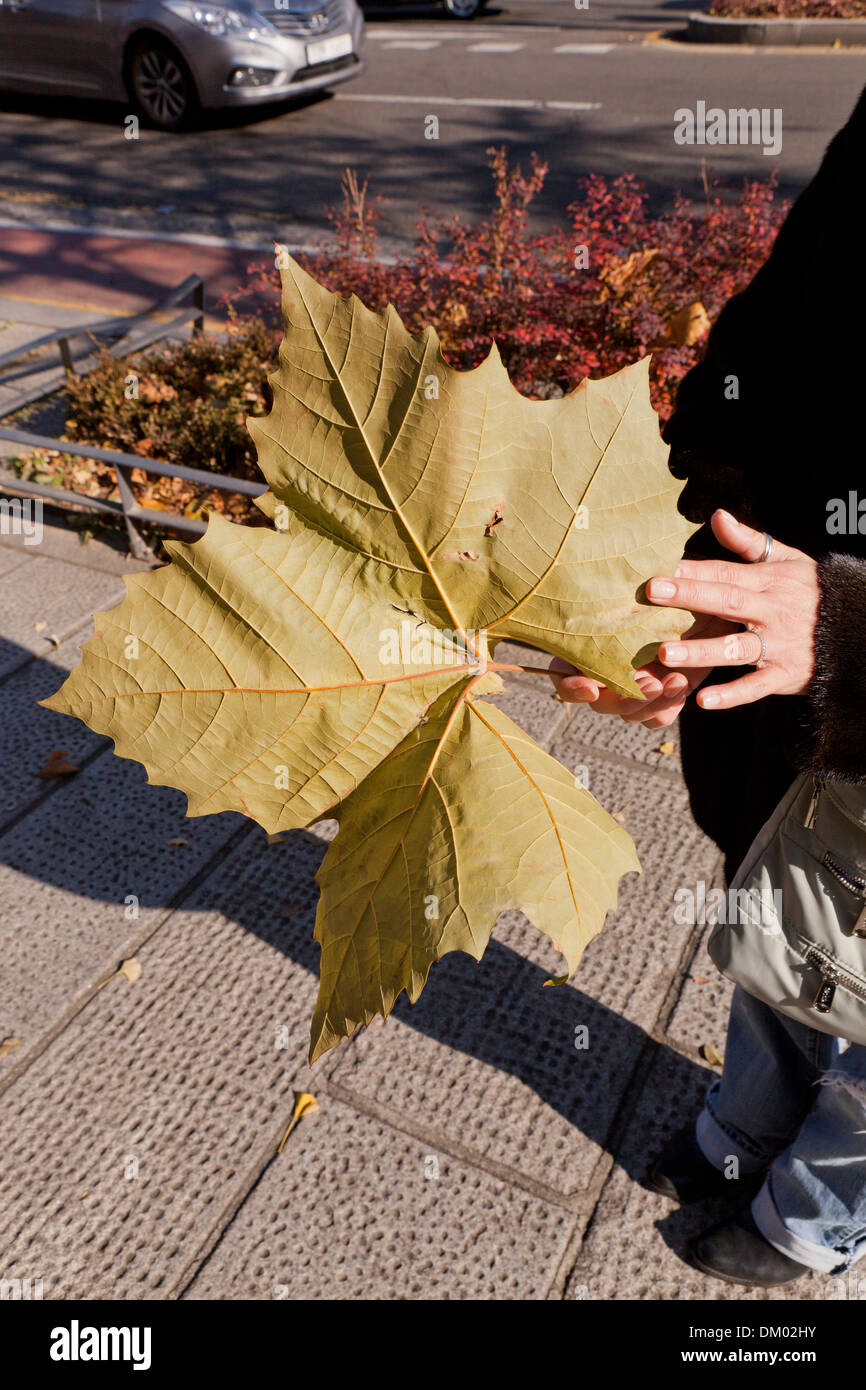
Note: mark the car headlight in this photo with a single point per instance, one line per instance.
(220, 20)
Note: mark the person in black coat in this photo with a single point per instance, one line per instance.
(767, 434)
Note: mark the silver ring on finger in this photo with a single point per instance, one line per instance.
(763, 641)
(768, 549)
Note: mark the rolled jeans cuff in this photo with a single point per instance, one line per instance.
(719, 1147)
(772, 1228)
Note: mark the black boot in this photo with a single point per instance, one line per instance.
(736, 1251)
(682, 1172)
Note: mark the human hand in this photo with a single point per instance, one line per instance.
(781, 596)
(776, 601)
(665, 691)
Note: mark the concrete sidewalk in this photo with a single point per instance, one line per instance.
(77, 272)
(464, 1149)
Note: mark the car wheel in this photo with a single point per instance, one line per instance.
(464, 9)
(162, 84)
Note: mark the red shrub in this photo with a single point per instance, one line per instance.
(789, 9)
(554, 320)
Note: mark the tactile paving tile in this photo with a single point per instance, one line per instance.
(354, 1210)
(11, 558)
(66, 870)
(636, 1242)
(701, 1013)
(610, 734)
(488, 1057)
(184, 1077)
(607, 733)
(28, 734)
(60, 595)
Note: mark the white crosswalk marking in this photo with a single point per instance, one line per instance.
(415, 34)
(412, 43)
(584, 48)
(495, 47)
(432, 103)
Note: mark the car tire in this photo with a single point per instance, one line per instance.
(464, 9)
(161, 84)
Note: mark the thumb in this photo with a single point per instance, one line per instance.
(745, 541)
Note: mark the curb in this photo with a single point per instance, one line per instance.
(782, 33)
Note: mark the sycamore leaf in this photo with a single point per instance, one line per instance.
(377, 441)
(333, 665)
(467, 817)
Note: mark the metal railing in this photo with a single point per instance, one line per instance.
(128, 507)
(133, 333)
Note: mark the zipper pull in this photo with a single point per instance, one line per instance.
(826, 993)
(812, 810)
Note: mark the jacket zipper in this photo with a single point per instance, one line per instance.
(855, 885)
(852, 882)
(831, 976)
(812, 809)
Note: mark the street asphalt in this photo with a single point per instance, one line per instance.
(592, 90)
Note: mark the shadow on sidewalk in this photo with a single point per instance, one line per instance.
(497, 1011)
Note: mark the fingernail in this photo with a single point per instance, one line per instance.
(661, 588)
(709, 701)
(674, 653)
(675, 683)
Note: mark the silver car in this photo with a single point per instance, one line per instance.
(172, 57)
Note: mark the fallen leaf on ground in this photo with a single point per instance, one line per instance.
(58, 764)
(130, 969)
(701, 979)
(667, 748)
(8, 1044)
(305, 1104)
(711, 1054)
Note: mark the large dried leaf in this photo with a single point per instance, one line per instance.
(467, 818)
(333, 665)
(375, 439)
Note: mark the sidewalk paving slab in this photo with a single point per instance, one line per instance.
(700, 1015)
(600, 732)
(353, 1210)
(636, 1241)
(185, 1078)
(189, 1072)
(62, 596)
(510, 1086)
(28, 733)
(66, 872)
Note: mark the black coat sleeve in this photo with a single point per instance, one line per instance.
(788, 439)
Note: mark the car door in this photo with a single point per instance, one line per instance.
(53, 44)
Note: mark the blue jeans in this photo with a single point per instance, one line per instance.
(793, 1101)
